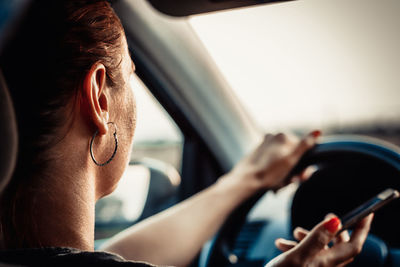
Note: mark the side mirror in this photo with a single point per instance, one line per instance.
(163, 186)
(147, 187)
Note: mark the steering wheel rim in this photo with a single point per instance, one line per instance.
(218, 252)
(357, 145)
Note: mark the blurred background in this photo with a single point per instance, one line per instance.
(332, 65)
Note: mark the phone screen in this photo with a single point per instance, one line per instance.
(366, 208)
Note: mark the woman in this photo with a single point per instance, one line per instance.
(68, 71)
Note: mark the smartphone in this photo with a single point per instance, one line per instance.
(372, 205)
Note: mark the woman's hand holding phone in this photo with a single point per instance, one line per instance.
(311, 247)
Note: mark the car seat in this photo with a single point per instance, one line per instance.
(8, 135)
(11, 15)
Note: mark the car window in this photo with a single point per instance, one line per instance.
(308, 64)
(157, 140)
(156, 134)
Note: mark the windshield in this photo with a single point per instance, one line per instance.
(332, 65)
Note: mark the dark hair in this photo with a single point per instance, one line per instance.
(44, 65)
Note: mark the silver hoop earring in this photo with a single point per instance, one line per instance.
(115, 149)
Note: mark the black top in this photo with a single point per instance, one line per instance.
(63, 257)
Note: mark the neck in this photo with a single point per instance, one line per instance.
(65, 217)
(62, 200)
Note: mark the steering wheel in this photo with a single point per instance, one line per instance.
(350, 170)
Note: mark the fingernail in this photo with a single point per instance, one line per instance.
(332, 225)
(316, 133)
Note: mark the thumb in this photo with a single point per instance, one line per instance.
(320, 236)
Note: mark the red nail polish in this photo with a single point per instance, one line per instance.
(332, 225)
(316, 133)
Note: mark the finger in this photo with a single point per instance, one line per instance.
(257, 153)
(285, 245)
(319, 237)
(286, 138)
(342, 237)
(343, 252)
(260, 150)
(307, 173)
(300, 233)
(346, 262)
(301, 177)
(360, 233)
(280, 142)
(330, 216)
(305, 144)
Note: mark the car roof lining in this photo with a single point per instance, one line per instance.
(181, 8)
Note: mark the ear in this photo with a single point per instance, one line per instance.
(94, 86)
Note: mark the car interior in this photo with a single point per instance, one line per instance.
(211, 132)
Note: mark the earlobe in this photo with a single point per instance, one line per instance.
(94, 92)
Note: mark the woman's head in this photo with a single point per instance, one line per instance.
(68, 70)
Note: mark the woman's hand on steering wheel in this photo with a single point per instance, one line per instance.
(268, 166)
(313, 250)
